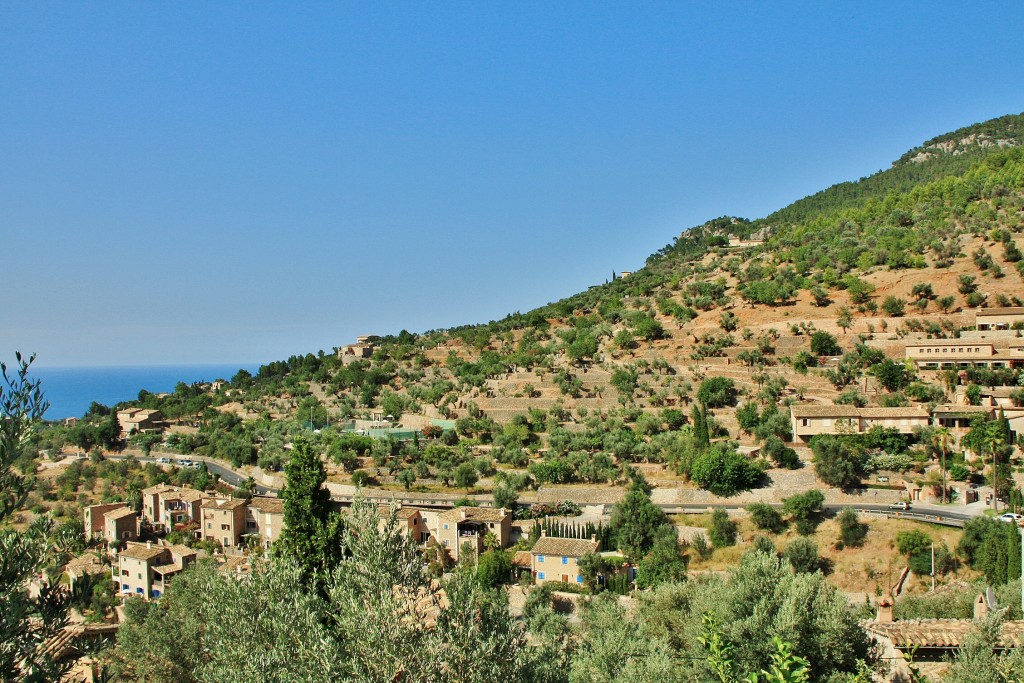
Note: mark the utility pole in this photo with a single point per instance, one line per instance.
(995, 482)
(933, 567)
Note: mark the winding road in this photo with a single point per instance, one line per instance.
(919, 513)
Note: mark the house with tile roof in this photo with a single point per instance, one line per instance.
(411, 519)
(94, 518)
(140, 421)
(264, 519)
(144, 569)
(467, 527)
(557, 559)
(933, 641)
(1003, 318)
(952, 354)
(223, 520)
(165, 506)
(121, 525)
(807, 421)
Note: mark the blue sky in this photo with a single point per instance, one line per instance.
(240, 182)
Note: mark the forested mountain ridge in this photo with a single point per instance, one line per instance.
(630, 349)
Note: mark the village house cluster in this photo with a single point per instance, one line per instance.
(994, 343)
(145, 568)
(234, 525)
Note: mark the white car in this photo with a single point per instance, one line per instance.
(164, 461)
(1011, 517)
(902, 505)
(185, 463)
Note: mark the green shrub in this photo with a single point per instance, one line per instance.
(802, 554)
(717, 392)
(852, 531)
(723, 530)
(723, 471)
(805, 509)
(766, 517)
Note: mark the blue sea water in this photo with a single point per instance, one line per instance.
(71, 390)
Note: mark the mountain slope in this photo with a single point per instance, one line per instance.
(600, 378)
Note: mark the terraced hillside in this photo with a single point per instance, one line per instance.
(802, 306)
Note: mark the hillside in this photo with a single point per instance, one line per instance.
(574, 391)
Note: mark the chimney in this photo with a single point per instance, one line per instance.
(593, 538)
(980, 607)
(543, 533)
(462, 513)
(502, 512)
(149, 545)
(884, 611)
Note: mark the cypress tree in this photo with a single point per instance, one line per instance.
(312, 529)
(700, 425)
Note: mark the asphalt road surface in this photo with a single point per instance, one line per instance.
(919, 514)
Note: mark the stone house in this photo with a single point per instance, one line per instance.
(1006, 318)
(94, 518)
(557, 559)
(807, 421)
(121, 525)
(958, 418)
(462, 525)
(363, 348)
(932, 642)
(264, 518)
(144, 569)
(140, 421)
(952, 354)
(223, 520)
(409, 518)
(164, 506)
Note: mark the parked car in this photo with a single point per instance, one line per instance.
(186, 463)
(902, 505)
(1011, 517)
(164, 461)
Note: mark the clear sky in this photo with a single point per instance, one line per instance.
(240, 182)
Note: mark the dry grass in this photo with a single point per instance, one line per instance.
(864, 570)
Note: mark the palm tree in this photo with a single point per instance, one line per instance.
(942, 441)
(993, 439)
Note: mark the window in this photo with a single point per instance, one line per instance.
(445, 526)
(209, 525)
(540, 575)
(805, 422)
(540, 558)
(446, 543)
(579, 579)
(565, 560)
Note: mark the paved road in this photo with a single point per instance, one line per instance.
(921, 513)
(226, 474)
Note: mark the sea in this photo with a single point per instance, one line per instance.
(71, 390)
